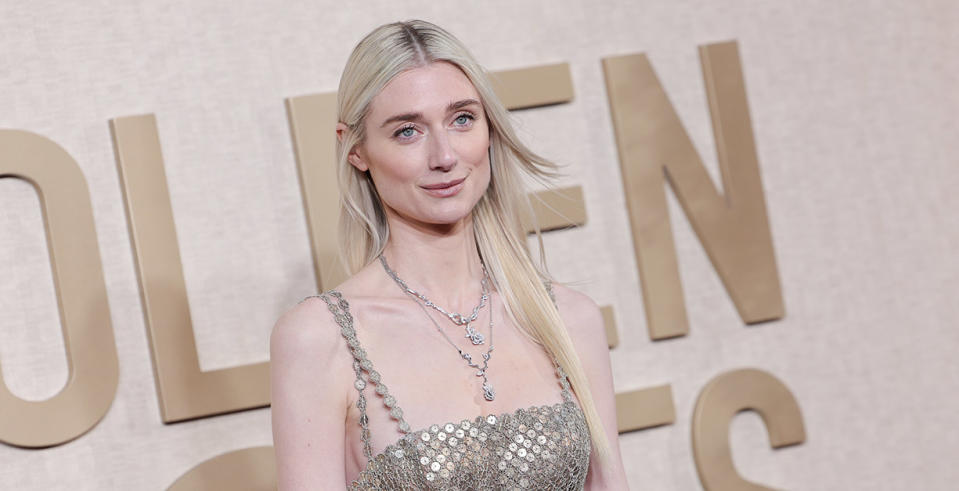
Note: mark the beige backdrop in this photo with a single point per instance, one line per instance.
(853, 107)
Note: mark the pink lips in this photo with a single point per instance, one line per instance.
(444, 189)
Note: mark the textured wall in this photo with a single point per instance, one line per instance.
(853, 107)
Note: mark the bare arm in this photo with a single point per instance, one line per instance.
(309, 372)
(585, 325)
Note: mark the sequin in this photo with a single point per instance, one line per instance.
(441, 458)
(360, 384)
(521, 452)
(425, 436)
(441, 436)
(449, 428)
(424, 460)
(491, 419)
(435, 466)
(460, 434)
(452, 441)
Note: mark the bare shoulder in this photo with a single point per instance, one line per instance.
(579, 312)
(307, 326)
(306, 341)
(310, 367)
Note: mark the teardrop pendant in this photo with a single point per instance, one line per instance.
(488, 391)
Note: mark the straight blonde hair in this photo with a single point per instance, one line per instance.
(500, 236)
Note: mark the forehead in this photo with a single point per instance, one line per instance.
(423, 89)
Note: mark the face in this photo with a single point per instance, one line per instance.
(426, 146)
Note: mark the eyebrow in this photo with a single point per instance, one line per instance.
(453, 106)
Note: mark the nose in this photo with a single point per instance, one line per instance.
(442, 156)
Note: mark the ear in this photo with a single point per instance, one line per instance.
(354, 157)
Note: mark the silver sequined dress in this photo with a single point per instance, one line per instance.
(539, 447)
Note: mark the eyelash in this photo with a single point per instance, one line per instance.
(398, 132)
(467, 114)
(410, 126)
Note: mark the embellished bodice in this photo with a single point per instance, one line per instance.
(540, 447)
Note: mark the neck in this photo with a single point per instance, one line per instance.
(441, 262)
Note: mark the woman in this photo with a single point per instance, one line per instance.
(430, 177)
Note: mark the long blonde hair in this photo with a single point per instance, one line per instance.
(500, 236)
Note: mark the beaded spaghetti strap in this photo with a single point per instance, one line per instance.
(341, 313)
(561, 374)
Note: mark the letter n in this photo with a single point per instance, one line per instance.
(733, 227)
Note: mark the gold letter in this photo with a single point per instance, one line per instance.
(723, 397)
(733, 227)
(645, 408)
(313, 125)
(78, 279)
(249, 469)
(184, 391)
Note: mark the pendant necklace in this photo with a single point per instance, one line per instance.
(461, 320)
(488, 392)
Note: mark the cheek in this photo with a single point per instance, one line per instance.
(393, 165)
(475, 148)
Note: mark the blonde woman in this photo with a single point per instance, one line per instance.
(447, 360)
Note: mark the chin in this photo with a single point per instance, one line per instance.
(448, 214)
(448, 219)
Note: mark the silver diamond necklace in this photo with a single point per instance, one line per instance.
(461, 320)
(488, 392)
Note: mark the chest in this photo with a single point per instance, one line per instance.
(432, 384)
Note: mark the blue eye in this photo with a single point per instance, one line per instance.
(463, 119)
(405, 132)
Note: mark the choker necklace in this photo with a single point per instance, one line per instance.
(474, 336)
(488, 392)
